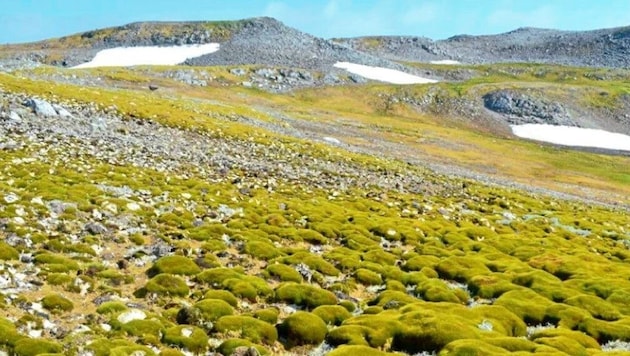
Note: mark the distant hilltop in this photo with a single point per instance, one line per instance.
(267, 41)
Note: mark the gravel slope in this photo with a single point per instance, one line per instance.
(598, 48)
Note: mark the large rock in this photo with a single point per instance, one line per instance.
(519, 109)
(41, 107)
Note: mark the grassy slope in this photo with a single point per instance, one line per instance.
(527, 251)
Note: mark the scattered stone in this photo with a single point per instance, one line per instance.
(153, 87)
(95, 228)
(41, 107)
(238, 71)
(11, 198)
(133, 314)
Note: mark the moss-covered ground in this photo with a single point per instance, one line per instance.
(466, 269)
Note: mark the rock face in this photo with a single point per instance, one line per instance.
(520, 109)
(599, 48)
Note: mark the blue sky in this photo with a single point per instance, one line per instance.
(30, 20)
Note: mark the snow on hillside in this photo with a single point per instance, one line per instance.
(446, 62)
(573, 136)
(383, 74)
(131, 56)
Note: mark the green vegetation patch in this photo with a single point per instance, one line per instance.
(57, 303)
(178, 265)
(304, 295)
(167, 285)
(33, 347)
(248, 327)
(302, 328)
(190, 337)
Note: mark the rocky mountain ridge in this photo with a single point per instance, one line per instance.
(597, 48)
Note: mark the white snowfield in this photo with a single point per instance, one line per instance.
(446, 62)
(573, 136)
(133, 56)
(383, 74)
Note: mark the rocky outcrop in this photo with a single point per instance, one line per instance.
(519, 109)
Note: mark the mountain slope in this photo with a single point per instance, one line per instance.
(174, 210)
(598, 48)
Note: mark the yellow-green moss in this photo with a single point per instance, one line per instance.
(302, 328)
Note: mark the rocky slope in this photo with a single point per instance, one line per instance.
(263, 41)
(599, 48)
(184, 211)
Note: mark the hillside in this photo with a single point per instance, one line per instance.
(247, 205)
(599, 48)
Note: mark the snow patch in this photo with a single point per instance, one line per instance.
(133, 56)
(446, 62)
(573, 136)
(383, 74)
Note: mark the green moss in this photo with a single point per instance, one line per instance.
(111, 307)
(213, 309)
(381, 327)
(564, 344)
(492, 286)
(104, 346)
(368, 277)
(269, 315)
(304, 295)
(167, 285)
(379, 256)
(56, 303)
(239, 284)
(604, 331)
(472, 348)
(461, 268)
(143, 328)
(283, 272)
(190, 337)
(302, 328)
(131, 350)
(418, 262)
(503, 321)
(358, 350)
(584, 340)
(261, 250)
(348, 305)
(312, 236)
(599, 308)
(350, 335)
(392, 299)
(512, 344)
(228, 346)
(526, 304)
(178, 265)
(56, 263)
(8, 333)
(315, 262)
(224, 295)
(58, 279)
(7, 252)
(430, 333)
(395, 286)
(33, 347)
(248, 328)
(332, 314)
